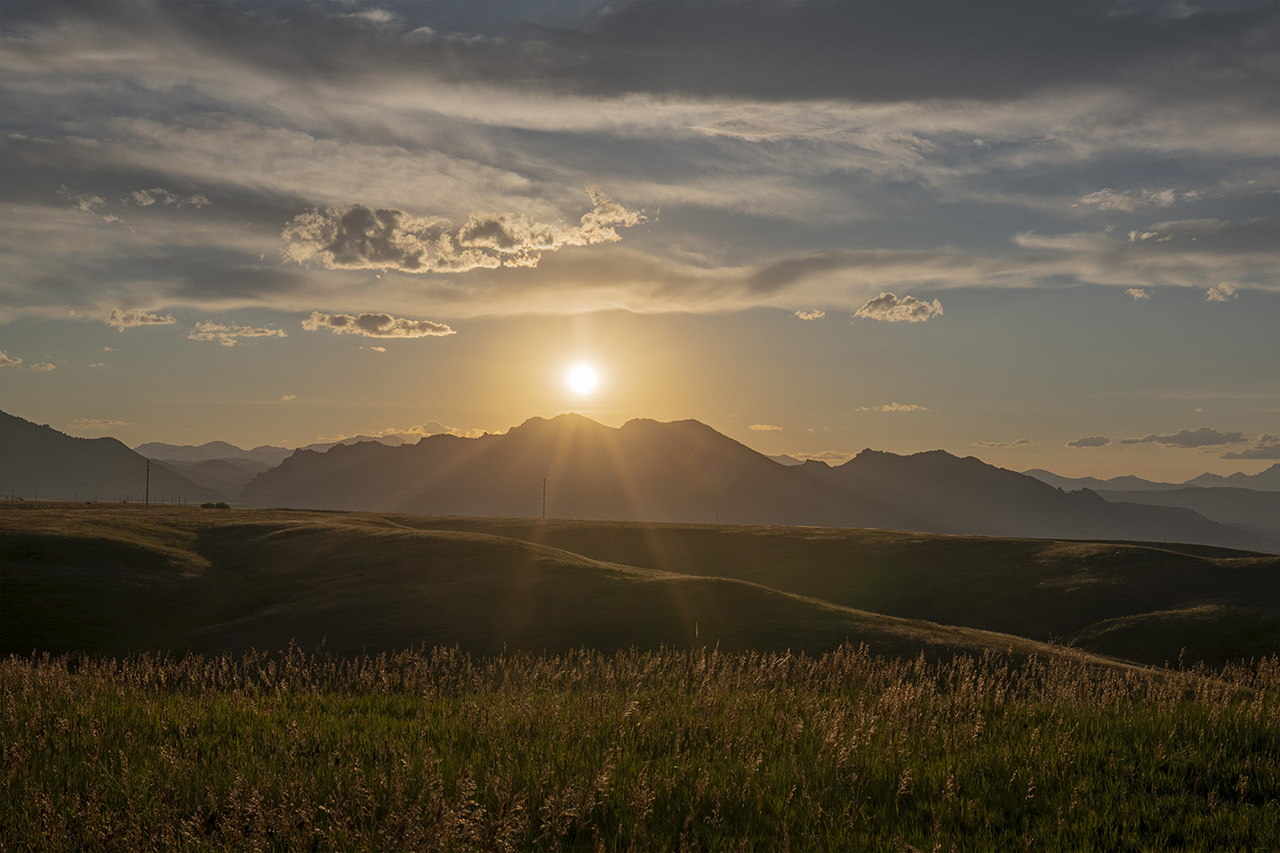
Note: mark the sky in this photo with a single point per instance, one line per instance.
(1043, 234)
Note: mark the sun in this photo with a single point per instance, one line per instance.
(582, 379)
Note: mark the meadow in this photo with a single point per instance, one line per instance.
(506, 684)
(665, 750)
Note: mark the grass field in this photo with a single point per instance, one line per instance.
(590, 686)
(116, 580)
(689, 750)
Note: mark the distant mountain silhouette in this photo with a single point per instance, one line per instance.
(266, 453)
(227, 477)
(1248, 509)
(1267, 481)
(687, 472)
(789, 461)
(39, 461)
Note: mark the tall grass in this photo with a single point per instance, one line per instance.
(434, 750)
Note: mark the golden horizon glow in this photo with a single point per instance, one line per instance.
(582, 379)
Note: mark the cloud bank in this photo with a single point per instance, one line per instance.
(359, 237)
(891, 309)
(1202, 437)
(1090, 441)
(893, 407)
(126, 318)
(1021, 442)
(375, 326)
(94, 424)
(229, 335)
(1266, 447)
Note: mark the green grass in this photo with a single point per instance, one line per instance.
(665, 750)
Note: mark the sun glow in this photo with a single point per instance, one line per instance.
(582, 379)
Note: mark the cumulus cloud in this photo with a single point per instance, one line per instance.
(1220, 292)
(1202, 437)
(159, 195)
(893, 407)
(9, 361)
(228, 335)
(891, 309)
(124, 318)
(1266, 447)
(1021, 442)
(764, 428)
(44, 367)
(811, 315)
(1090, 441)
(1131, 200)
(359, 237)
(375, 326)
(831, 457)
(1138, 293)
(288, 396)
(94, 424)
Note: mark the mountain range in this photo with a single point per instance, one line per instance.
(1265, 481)
(37, 461)
(685, 471)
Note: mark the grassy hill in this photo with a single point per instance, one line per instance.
(120, 579)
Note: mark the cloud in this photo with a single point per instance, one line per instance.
(1109, 199)
(891, 309)
(227, 335)
(831, 457)
(375, 326)
(1266, 447)
(43, 367)
(811, 315)
(9, 361)
(375, 349)
(1220, 292)
(1021, 442)
(894, 407)
(359, 237)
(1202, 437)
(765, 428)
(124, 318)
(289, 397)
(94, 424)
(146, 198)
(1090, 441)
(1138, 293)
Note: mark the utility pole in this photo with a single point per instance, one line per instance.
(544, 497)
(146, 500)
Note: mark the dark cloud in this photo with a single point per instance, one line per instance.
(375, 325)
(1266, 447)
(1021, 442)
(1202, 437)
(891, 309)
(1090, 441)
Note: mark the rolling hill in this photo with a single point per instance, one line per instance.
(118, 579)
(685, 471)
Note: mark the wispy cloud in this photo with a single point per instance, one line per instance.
(1130, 200)
(1021, 442)
(893, 407)
(891, 309)
(811, 315)
(228, 335)
(1138, 293)
(375, 326)
(1090, 441)
(42, 367)
(287, 397)
(8, 360)
(1266, 447)
(765, 428)
(126, 318)
(94, 424)
(1202, 437)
